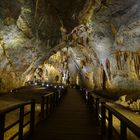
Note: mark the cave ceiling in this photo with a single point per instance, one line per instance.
(68, 11)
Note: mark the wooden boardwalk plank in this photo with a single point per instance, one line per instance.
(70, 121)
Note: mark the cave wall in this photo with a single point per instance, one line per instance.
(29, 33)
(112, 33)
(103, 38)
(116, 36)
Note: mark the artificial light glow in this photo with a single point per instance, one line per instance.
(35, 83)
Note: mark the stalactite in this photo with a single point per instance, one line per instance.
(139, 56)
(100, 75)
(137, 64)
(125, 55)
(118, 59)
(132, 55)
(131, 61)
(129, 58)
(36, 9)
(108, 68)
(114, 30)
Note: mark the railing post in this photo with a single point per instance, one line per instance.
(90, 101)
(47, 106)
(88, 98)
(123, 133)
(55, 98)
(2, 125)
(97, 109)
(109, 125)
(51, 102)
(50, 106)
(21, 120)
(32, 117)
(103, 119)
(42, 107)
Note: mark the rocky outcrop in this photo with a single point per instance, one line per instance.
(131, 102)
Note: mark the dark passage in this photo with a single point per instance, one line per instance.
(72, 120)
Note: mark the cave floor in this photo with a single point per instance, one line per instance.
(71, 120)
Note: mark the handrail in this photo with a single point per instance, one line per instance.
(125, 123)
(20, 121)
(14, 107)
(48, 94)
(48, 102)
(100, 107)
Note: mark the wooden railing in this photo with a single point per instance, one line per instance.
(20, 121)
(100, 106)
(124, 123)
(93, 102)
(48, 102)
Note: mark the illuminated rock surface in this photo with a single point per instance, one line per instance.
(92, 43)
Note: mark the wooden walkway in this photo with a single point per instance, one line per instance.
(71, 120)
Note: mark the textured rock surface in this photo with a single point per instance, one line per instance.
(116, 42)
(103, 40)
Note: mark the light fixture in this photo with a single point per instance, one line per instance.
(35, 83)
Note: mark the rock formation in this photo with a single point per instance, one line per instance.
(96, 41)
